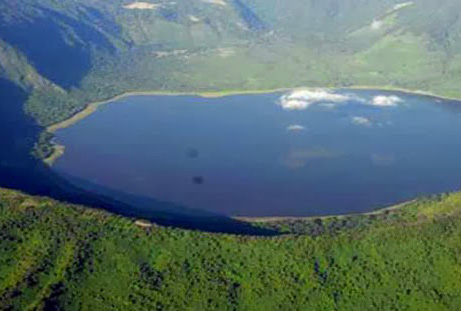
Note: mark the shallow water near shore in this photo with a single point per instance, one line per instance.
(300, 153)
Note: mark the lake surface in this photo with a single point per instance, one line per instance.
(299, 153)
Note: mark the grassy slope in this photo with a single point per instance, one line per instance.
(56, 255)
(330, 43)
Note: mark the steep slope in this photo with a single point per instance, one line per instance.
(15, 67)
(68, 41)
(234, 44)
(96, 49)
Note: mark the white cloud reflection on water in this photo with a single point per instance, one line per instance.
(386, 101)
(304, 98)
(361, 121)
(296, 128)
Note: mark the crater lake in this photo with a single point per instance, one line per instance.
(305, 152)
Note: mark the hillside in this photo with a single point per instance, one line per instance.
(68, 53)
(73, 258)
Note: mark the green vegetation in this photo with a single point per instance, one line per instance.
(98, 50)
(57, 256)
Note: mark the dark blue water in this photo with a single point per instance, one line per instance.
(294, 154)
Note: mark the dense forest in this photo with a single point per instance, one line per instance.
(57, 256)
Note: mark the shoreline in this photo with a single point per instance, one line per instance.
(92, 107)
(275, 219)
(58, 150)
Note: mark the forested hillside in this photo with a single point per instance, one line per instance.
(56, 256)
(68, 53)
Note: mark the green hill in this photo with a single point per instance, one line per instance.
(56, 256)
(69, 53)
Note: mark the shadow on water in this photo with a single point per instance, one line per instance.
(166, 213)
(21, 171)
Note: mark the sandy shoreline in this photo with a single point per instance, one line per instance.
(92, 107)
(298, 218)
(58, 150)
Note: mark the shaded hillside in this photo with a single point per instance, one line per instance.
(55, 256)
